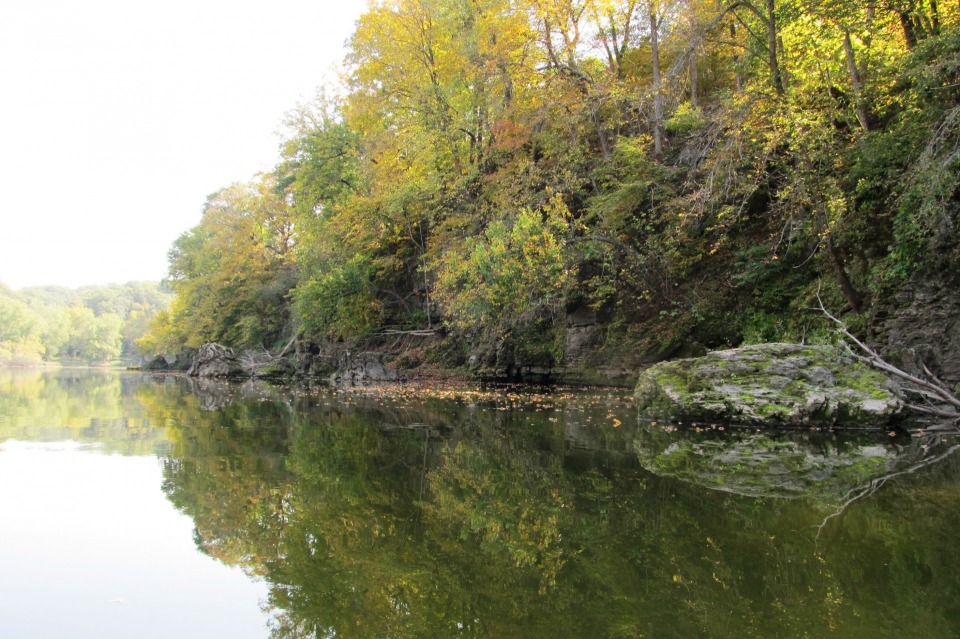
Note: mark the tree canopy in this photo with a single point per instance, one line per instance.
(92, 324)
(690, 170)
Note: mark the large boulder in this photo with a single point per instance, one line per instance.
(770, 384)
(214, 360)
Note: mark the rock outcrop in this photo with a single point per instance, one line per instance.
(361, 368)
(919, 325)
(214, 360)
(770, 384)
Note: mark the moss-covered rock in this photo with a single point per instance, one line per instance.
(770, 384)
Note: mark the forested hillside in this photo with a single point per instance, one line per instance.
(675, 174)
(93, 324)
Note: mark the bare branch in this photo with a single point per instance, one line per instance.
(940, 400)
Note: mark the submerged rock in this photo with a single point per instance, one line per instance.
(770, 384)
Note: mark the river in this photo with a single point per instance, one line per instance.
(156, 506)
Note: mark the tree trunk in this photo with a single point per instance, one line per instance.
(856, 82)
(694, 81)
(736, 59)
(934, 17)
(845, 286)
(909, 29)
(776, 76)
(657, 94)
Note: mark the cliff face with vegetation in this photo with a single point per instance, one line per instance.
(582, 187)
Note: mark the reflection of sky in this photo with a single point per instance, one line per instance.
(90, 547)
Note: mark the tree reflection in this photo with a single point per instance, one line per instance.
(371, 518)
(89, 406)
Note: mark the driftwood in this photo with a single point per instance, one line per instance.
(423, 332)
(255, 359)
(926, 395)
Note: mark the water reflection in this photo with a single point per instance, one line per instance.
(89, 545)
(820, 465)
(84, 405)
(411, 517)
(503, 514)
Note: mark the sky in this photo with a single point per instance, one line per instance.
(119, 117)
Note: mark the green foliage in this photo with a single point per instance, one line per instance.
(231, 273)
(94, 338)
(91, 324)
(20, 331)
(339, 302)
(512, 274)
(806, 141)
(685, 119)
(908, 174)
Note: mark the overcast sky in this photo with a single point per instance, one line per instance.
(119, 117)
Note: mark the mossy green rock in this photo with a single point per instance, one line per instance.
(770, 384)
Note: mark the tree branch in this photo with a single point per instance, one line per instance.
(940, 401)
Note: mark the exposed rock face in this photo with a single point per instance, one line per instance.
(583, 359)
(361, 368)
(310, 361)
(921, 323)
(213, 360)
(769, 384)
(338, 366)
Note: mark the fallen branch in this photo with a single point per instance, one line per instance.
(283, 351)
(425, 332)
(939, 400)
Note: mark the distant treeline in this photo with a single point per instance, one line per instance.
(93, 324)
(683, 172)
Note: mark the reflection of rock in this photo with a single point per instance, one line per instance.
(770, 384)
(798, 464)
(363, 367)
(212, 394)
(213, 360)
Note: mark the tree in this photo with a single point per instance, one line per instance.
(232, 272)
(512, 274)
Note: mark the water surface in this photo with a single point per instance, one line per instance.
(144, 506)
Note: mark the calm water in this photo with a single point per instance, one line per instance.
(139, 506)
